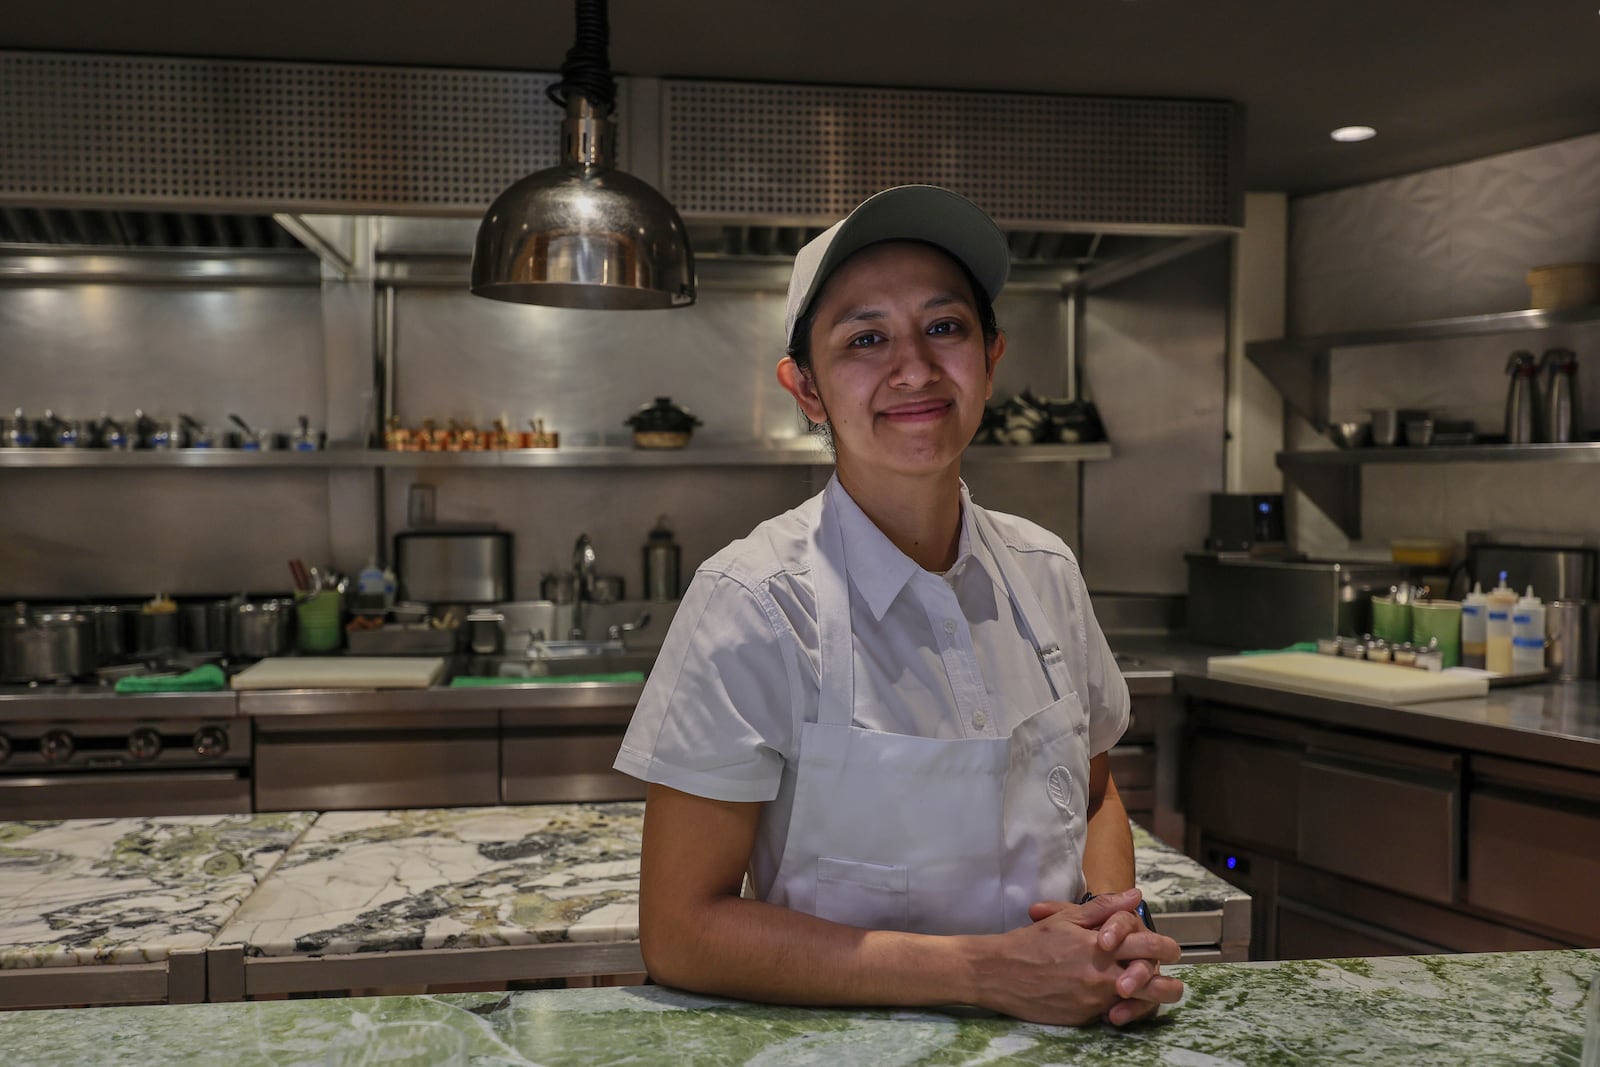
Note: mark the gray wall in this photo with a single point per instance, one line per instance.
(1452, 241)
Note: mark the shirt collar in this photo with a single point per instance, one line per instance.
(877, 568)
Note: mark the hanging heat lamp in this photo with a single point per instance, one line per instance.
(584, 234)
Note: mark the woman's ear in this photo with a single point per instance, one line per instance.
(803, 387)
(992, 356)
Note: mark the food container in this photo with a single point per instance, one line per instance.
(205, 625)
(1422, 552)
(1350, 434)
(258, 628)
(662, 424)
(46, 646)
(1564, 285)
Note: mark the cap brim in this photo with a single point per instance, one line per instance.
(920, 213)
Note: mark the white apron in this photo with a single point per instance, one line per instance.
(892, 832)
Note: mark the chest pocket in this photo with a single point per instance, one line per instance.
(872, 896)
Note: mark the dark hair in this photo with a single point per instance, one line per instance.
(799, 348)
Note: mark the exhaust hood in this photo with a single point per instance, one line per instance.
(81, 229)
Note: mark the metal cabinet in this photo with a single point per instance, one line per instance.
(564, 755)
(344, 762)
(1242, 778)
(1533, 846)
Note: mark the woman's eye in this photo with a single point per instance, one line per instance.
(866, 340)
(948, 326)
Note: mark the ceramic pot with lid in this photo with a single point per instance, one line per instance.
(662, 424)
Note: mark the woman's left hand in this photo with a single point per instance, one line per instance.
(1142, 986)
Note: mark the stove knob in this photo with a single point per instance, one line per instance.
(144, 743)
(211, 742)
(5, 748)
(56, 746)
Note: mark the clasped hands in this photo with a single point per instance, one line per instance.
(1079, 962)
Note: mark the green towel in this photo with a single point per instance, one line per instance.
(204, 679)
(466, 680)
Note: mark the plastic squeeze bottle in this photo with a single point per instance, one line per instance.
(1497, 646)
(1474, 619)
(1527, 634)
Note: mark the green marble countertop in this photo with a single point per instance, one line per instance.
(1502, 1008)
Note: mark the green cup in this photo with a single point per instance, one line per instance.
(1391, 621)
(318, 618)
(1438, 620)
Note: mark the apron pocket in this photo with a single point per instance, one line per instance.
(869, 895)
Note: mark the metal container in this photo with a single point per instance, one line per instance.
(46, 646)
(559, 587)
(113, 631)
(486, 632)
(258, 628)
(1573, 631)
(1242, 602)
(662, 560)
(155, 633)
(205, 625)
(462, 566)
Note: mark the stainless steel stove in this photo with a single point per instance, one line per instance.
(81, 752)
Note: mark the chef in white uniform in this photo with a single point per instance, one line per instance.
(886, 713)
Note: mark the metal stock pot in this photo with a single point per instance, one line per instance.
(258, 628)
(46, 646)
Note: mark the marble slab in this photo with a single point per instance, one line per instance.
(1173, 883)
(1496, 1009)
(380, 881)
(111, 891)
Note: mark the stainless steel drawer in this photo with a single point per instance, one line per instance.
(1536, 860)
(1243, 790)
(564, 765)
(353, 770)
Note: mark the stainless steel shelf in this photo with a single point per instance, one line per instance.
(755, 454)
(1332, 477)
(1298, 367)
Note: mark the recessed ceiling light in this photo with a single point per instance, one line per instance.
(1353, 133)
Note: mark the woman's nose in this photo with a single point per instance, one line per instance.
(914, 365)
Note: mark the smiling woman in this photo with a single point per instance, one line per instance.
(890, 708)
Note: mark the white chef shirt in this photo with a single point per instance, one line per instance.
(935, 656)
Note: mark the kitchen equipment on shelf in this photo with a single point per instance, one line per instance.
(200, 436)
(1350, 434)
(1385, 427)
(486, 634)
(1560, 566)
(155, 628)
(1419, 431)
(46, 646)
(1564, 285)
(1522, 400)
(304, 438)
(559, 587)
(116, 435)
(1560, 415)
(259, 628)
(662, 424)
(608, 589)
(67, 433)
(205, 625)
(1422, 552)
(319, 620)
(18, 431)
(1572, 630)
(251, 439)
(536, 436)
(1254, 602)
(1242, 522)
(454, 565)
(162, 434)
(662, 562)
(113, 631)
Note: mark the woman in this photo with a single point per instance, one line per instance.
(888, 707)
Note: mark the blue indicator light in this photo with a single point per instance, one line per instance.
(1232, 862)
(1263, 507)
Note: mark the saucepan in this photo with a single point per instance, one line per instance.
(46, 646)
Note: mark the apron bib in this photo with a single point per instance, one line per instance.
(893, 832)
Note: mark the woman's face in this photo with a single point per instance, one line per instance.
(899, 366)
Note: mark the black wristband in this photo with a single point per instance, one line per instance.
(1143, 910)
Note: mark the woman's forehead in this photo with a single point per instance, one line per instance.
(879, 269)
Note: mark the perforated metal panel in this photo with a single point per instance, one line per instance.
(812, 153)
(265, 135)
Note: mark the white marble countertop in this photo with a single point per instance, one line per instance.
(111, 891)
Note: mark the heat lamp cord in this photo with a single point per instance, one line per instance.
(587, 68)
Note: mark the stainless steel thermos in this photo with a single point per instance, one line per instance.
(1522, 401)
(662, 559)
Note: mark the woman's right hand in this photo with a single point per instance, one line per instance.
(1076, 964)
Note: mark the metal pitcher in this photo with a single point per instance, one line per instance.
(1560, 419)
(1522, 405)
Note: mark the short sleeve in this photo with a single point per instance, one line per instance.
(1107, 689)
(715, 718)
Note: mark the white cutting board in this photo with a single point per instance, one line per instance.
(1351, 679)
(341, 672)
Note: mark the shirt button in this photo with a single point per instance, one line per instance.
(949, 626)
(979, 720)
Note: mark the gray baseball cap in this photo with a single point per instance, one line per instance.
(904, 213)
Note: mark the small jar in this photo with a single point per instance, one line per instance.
(1379, 652)
(1357, 651)
(1430, 659)
(1328, 646)
(1348, 646)
(1406, 654)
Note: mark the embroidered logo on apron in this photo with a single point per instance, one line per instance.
(1060, 785)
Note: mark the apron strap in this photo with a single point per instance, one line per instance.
(1034, 621)
(836, 641)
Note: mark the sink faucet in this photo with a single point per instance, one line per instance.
(583, 560)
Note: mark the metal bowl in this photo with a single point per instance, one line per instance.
(1350, 434)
